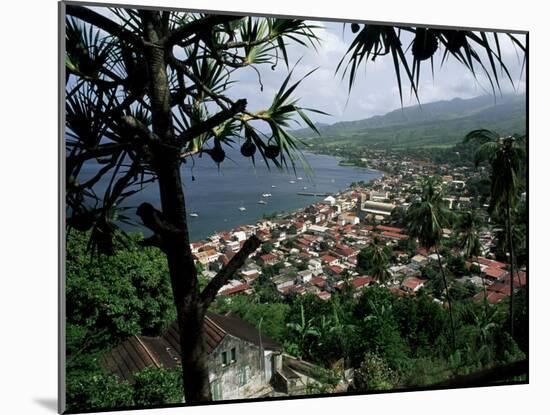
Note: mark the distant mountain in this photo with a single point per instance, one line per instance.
(438, 123)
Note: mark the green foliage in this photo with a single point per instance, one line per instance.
(97, 392)
(269, 317)
(457, 265)
(324, 246)
(117, 296)
(421, 322)
(374, 374)
(325, 381)
(266, 248)
(158, 386)
(374, 261)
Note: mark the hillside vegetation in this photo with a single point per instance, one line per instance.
(437, 124)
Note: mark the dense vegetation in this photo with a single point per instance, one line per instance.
(407, 335)
(109, 299)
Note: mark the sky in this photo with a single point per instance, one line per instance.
(375, 91)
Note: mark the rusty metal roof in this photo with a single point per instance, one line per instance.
(139, 352)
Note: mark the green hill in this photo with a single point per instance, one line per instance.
(437, 124)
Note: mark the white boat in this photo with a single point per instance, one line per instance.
(242, 208)
(292, 182)
(299, 178)
(273, 186)
(266, 195)
(262, 202)
(305, 187)
(194, 215)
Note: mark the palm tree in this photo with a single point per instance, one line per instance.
(469, 242)
(425, 221)
(505, 156)
(376, 258)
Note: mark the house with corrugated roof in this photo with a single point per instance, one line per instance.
(241, 360)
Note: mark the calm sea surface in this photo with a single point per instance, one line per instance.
(216, 194)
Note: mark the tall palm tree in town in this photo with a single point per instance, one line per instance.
(505, 156)
(375, 260)
(469, 242)
(426, 218)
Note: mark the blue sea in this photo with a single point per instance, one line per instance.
(217, 193)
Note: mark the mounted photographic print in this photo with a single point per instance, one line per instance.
(270, 207)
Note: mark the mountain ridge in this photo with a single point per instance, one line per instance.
(435, 123)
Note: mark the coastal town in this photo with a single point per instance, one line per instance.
(223, 241)
(315, 249)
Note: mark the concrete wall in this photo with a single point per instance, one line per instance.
(229, 376)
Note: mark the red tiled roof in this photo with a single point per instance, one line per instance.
(361, 282)
(395, 235)
(236, 289)
(318, 281)
(344, 250)
(328, 258)
(500, 288)
(336, 269)
(323, 295)
(494, 273)
(492, 297)
(268, 257)
(490, 262)
(389, 229)
(517, 283)
(412, 283)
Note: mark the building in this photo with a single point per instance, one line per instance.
(374, 208)
(412, 284)
(419, 261)
(241, 361)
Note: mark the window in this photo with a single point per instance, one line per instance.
(233, 355)
(224, 358)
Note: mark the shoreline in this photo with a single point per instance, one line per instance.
(284, 213)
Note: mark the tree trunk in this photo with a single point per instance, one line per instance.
(511, 251)
(183, 274)
(485, 301)
(448, 299)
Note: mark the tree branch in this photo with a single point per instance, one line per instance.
(140, 128)
(191, 28)
(155, 220)
(221, 278)
(209, 123)
(102, 22)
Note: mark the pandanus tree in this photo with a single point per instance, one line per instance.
(505, 156)
(147, 91)
(426, 218)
